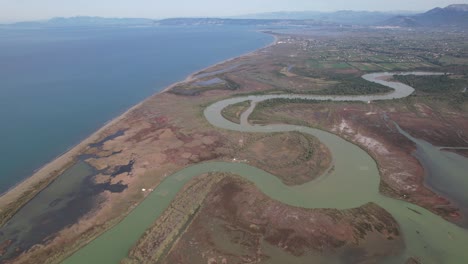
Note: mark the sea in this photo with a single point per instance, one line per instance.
(59, 85)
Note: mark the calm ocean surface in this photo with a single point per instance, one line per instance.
(57, 86)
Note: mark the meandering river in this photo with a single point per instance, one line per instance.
(353, 182)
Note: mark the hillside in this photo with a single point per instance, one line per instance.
(339, 17)
(452, 15)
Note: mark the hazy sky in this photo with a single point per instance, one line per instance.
(14, 10)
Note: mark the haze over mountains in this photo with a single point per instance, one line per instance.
(240, 22)
(340, 17)
(452, 16)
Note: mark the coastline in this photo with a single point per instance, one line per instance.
(63, 161)
(193, 75)
(60, 162)
(185, 121)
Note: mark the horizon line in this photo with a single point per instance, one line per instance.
(239, 16)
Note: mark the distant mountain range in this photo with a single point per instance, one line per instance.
(452, 15)
(239, 22)
(338, 17)
(83, 21)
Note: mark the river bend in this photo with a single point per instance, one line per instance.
(353, 182)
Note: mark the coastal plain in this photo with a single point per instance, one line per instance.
(222, 218)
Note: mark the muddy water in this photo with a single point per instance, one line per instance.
(46, 214)
(354, 182)
(448, 176)
(62, 203)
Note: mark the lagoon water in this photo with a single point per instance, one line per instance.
(58, 85)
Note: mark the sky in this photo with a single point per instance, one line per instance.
(22, 10)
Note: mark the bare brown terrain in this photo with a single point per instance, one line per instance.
(371, 127)
(296, 158)
(239, 224)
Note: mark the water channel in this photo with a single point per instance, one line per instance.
(353, 182)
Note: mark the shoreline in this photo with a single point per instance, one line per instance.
(62, 161)
(192, 75)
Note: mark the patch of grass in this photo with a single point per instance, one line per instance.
(451, 60)
(340, 65)
(442, 87)
(366, 66)
(392, 66)
(234, 112)
(266, 92)
(435, 84)
(328, 64)
(280, 101)
(315, 64)
(190, 89)
(354, 86)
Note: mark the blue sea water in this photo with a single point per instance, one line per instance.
(59, 85)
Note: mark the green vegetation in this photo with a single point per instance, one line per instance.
(353, 86)
(443, 87)
(191, 90)
(233, 112)
(231, 85)
(345, 84)
(265, 92)
(442, 84)
(328, 65)
(451, 60)
(387, 50)
(280, 101)
(366, 67)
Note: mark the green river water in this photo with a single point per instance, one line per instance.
(353, 182)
